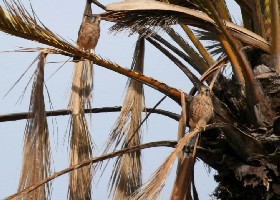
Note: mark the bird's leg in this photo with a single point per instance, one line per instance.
(200, 128)
(204, 127)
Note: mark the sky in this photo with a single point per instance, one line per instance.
(109, 87)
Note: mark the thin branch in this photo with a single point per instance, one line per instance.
(91, 161)
(27, 115)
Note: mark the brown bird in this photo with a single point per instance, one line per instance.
(201, 109)
(89, 33)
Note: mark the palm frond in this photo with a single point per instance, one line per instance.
(80, 138)
(181, 66)
(81, 150)
(213, 45)
(177, 51)
(26, 115)
(259, 104)
(89, 80)
(16, 21)
(126, 177)
(202, 50)
(81, 143)
(137, 14)
(89, 162)
(275, 28)
(267, 20)
(182, 123)
(152, 188)
(37, 154)
(201, 65)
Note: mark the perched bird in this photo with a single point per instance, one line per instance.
(89, 33)
(201, 109)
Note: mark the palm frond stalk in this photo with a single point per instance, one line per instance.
(37, 153)
(204, 53)
(275, 24)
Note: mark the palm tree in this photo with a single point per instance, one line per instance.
(241, 140)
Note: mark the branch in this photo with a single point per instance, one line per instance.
(91, 161)
(27, 115)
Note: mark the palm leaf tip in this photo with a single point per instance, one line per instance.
(37, 154)
(80, 138)
(126, 177)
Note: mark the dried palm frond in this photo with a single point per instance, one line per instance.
(81, 143)
(199, 46)
(15, 20)
(201, 65)
(137, 14)
(267, 20)
(275, 34)
(136, 24)
(81, 150)
(127, 174)
(18, 22)
(152, 188)
(89, 162)
(80, 138)
(185, 176)
(213, 45)
(37, 153)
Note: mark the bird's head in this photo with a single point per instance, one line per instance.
(205, 90)
(94, 19)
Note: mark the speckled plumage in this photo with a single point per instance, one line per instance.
(89, 33)
(201, 109)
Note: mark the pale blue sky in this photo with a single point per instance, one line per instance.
(64, 19)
